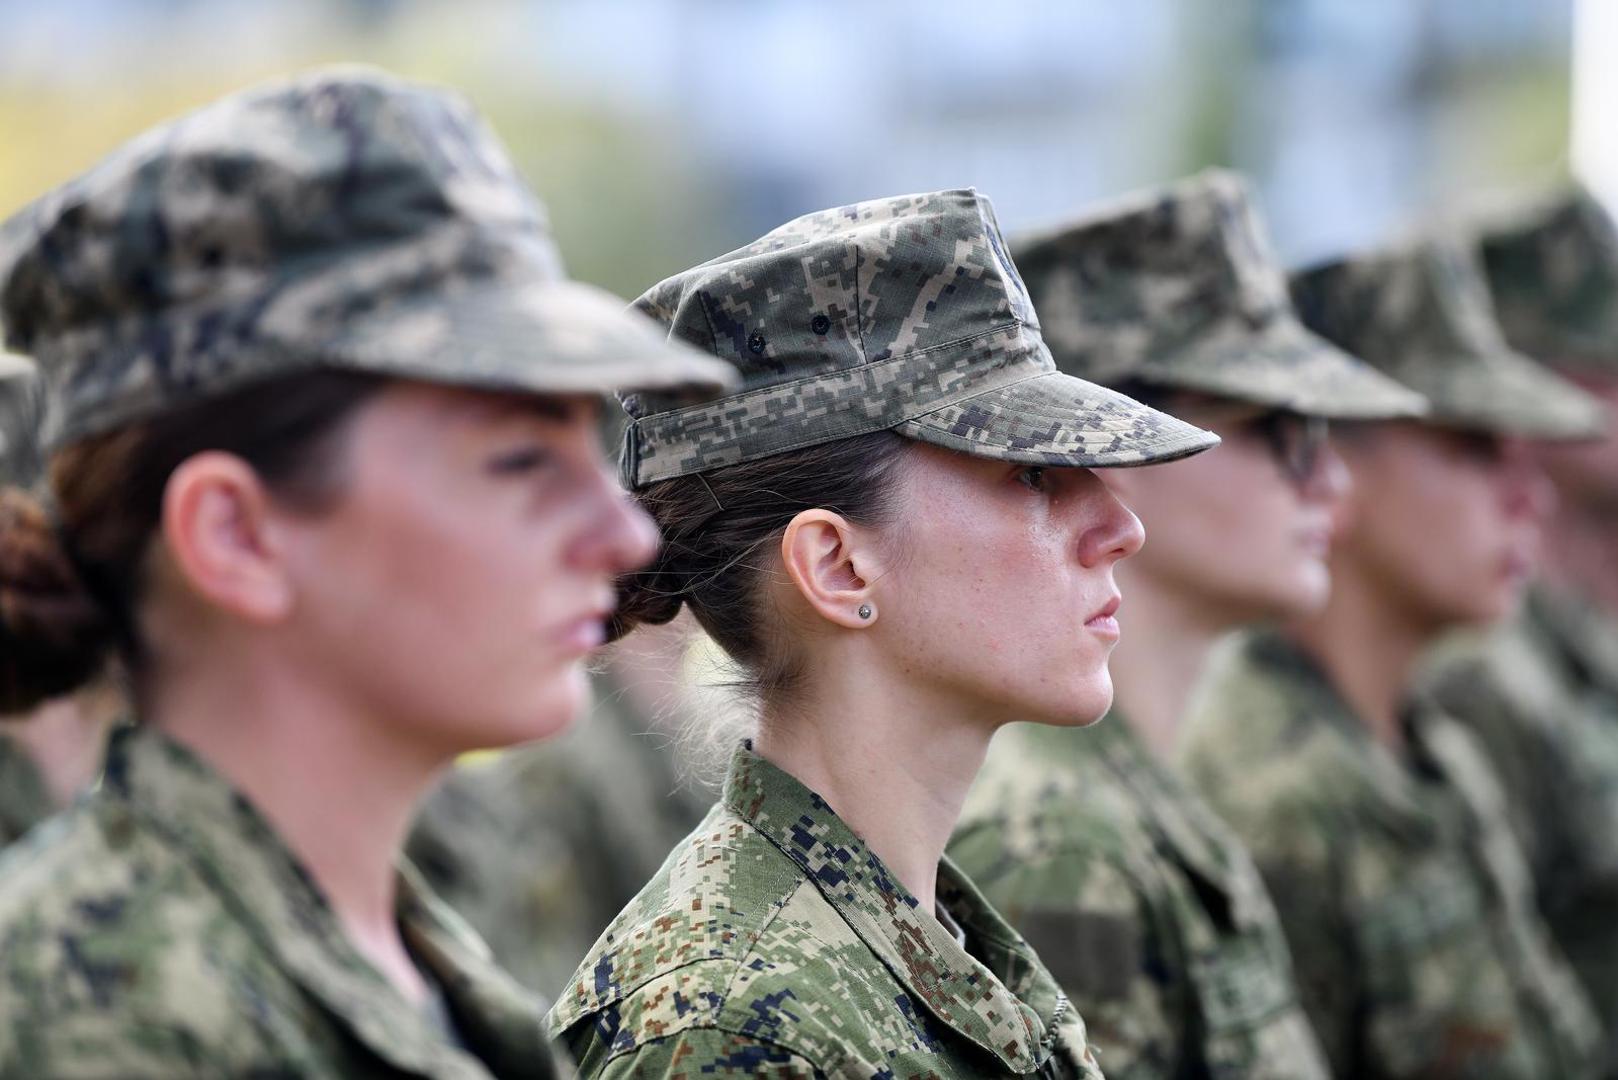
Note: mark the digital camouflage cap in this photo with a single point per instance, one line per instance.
(901, 314)
(19, 421)
(1420, 312)
(1177, 287)
(343, 219)
(1553, 275)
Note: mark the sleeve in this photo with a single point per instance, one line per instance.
(1091, 926)
(1294, 853)
(701, 1052)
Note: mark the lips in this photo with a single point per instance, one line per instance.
(1103, 621)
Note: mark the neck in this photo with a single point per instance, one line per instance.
(66, 738)
(337, 791)
(1368, 648)
(1578, 555)
(1166, 638)
(894, 762)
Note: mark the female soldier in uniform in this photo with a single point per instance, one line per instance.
(1147, 909)
(1375, 819)
(326, 472)
(893, 529)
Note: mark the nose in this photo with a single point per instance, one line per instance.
(1330, 480)
(1113, 533)
(1526, 489)
(618, 535)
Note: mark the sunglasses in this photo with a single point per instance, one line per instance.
(1296, 442)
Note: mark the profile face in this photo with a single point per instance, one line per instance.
(1445, 523)
(467, 569)
(1002, 596)
(1244, 531)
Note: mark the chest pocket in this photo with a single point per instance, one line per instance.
(1425, 910)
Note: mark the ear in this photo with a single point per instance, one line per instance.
(833, 563)
(216, 523)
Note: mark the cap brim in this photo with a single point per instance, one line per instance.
(1508, 394)
(1286, 366)
(555, 337)
(1056, 419)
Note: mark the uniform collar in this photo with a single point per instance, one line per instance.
(235, 850)
(1008, 1005)
(24, 799)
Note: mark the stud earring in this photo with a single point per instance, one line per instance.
(865, 611)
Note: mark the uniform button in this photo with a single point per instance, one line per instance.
(755, 343)
(820, 324)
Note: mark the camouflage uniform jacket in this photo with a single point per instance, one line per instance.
(160, 929)
(24, 800)
(1145, 907)
(1541, 695)
(539, 847)
(1405, 898)
(773, 942)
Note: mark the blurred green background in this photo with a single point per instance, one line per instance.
(664, 132)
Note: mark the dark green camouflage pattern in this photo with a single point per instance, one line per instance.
(25, 801)
(774, 943)
(1177, 287)
(1553, 275)
(159, 929)
(540, 846)
(1404, 896)
(1144, 906)
(902, 314)
(341, 219)
(20, 407)
(1541, 695)
(1420, 313)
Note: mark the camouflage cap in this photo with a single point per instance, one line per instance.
(1420, 312)
(900, 314)
(1177, 287)
(19, 421)
(343, 219)
(1552, 267)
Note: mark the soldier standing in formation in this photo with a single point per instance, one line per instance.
(1375, 819)
(1542, 693)
(893, 528)
(1147, 909)
(326, 470)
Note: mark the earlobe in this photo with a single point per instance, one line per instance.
(832, 564)
(216, 527)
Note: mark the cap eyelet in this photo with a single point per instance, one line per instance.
(755, 343)
(820, 323)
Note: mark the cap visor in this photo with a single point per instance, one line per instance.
(559, 337)
(1508, 394)
(1288, 367)
(1056, 419)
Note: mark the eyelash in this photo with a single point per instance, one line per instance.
(1032, 477)
(521, 461)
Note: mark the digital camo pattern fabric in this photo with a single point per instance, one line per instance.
(340, 219)
(774, 943)
(1178, 287)
(25, 800)
(1553, 275)
(1405, 898)
(1420, 313)
(160, 929)
(20, 406)
(539, 847)
(1541, 696)
(1143, 905)
(901, 314)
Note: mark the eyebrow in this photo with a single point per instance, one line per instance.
(556, 409)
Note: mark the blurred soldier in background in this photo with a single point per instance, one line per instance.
(1376, 820)
(1542, 693)
(539, 847)
(50, 755)
(1147, 909)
